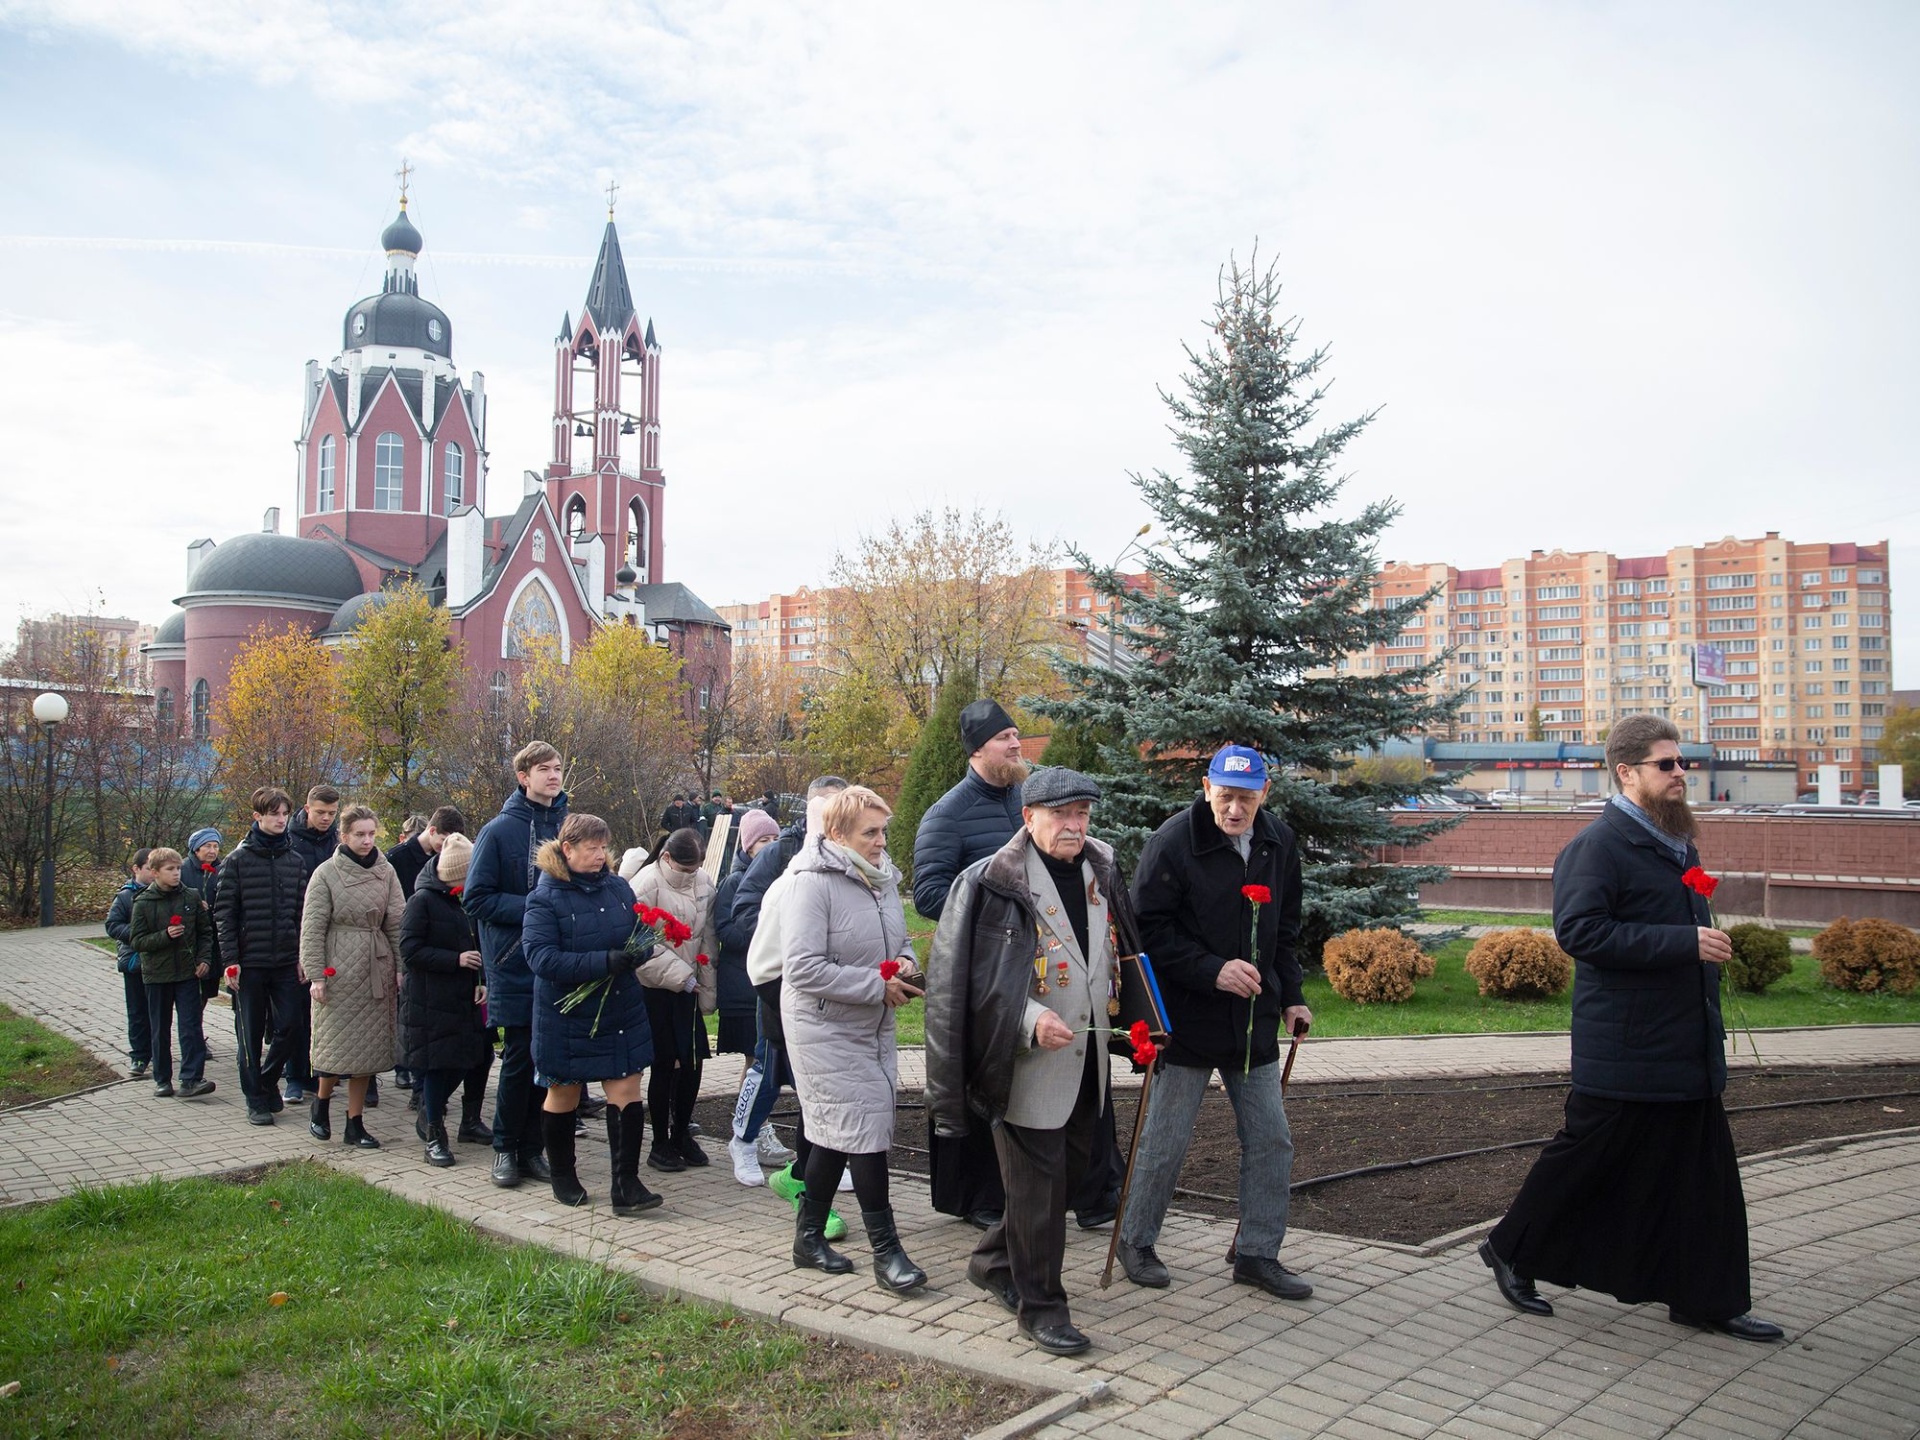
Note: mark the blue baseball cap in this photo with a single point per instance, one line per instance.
(1239, 767)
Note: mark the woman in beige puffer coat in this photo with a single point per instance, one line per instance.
(350, 951)
(681, 991)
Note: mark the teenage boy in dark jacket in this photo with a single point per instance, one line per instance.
(1639, 1194)
(499, 878)
(174, 935)
(1225, 1010)
(315, 834)
(127, 961)
(261, 894)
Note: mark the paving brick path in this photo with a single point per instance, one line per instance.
(1394, 1342)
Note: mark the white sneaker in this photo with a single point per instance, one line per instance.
(771, 1151)
(746, 1164)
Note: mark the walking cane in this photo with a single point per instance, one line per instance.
(1286, 1074)
(1126, 1181)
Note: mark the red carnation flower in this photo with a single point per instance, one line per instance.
(1258, 894)
(1145, 1052)
(207, 869)
(701, 960)
(327, 973)
(1138, 1032)
(889, 969)
(456, 889)
(1700, 882)
(233, 972)
(173, 919)
(639, 909)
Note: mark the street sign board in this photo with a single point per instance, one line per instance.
(1709, 665)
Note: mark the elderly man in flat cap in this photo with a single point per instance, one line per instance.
(1022, 976)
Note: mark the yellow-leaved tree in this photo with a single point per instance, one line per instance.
(399, 674)
(280, 721)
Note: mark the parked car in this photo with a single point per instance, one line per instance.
(1471, 799)
(1508, 797)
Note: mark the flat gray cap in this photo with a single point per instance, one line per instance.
(1056, 785)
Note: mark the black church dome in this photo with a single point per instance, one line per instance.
(399, 318)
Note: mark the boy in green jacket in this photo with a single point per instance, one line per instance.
(173, 934)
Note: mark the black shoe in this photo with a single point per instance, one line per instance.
(891, 1267)
(439, 1153)
(1143, 1267)
(689, 1149)
(506, 1170)
(404, 1079)
(163, 1091)
(319, 1121)
(1741, 1327)
(421, 1128)
(138, 1070)
(194, 1089)
(1061, 1339)
(535, 1167)
(1517, 1292)
(373, 1093)
(413, 1098)
(1098, 1218)
(663, 1157)
(626, 1132)
(567, 1188)
(810, 1248)
(275, 1104)
(1272, 1277)
(983, 1219)
(356, 1135)
(1000, 1286)
(259, 1117)
(472, 1132)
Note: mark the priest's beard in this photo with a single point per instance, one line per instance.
(1003, 772)
(1674, 816)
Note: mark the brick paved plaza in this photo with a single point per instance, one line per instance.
(1394, 1343)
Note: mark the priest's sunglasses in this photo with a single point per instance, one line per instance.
(1667, 764)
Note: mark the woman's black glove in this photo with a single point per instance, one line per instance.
(621, 962)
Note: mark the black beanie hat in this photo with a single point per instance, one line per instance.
(981, 721)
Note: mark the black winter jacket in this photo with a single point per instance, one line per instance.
(1646, 1008)
(258, 902)
(738, 999)
(440, 1023)
(980, 974)
(499, 877)
(769, 865)
(408, 859)
(207, 884)
(164, 960)
(965, 825)
(126, 959)
(316, 847)
(1193, 919)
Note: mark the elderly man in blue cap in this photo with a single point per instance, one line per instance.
(1220, 874)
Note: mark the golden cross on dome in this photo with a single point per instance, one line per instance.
(402, 175)
(613, 189)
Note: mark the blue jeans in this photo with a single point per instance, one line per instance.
(139, 1027)
(172, 1002)
(1266, 1154)
(759, 1090)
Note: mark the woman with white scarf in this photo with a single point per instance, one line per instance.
(683, 993)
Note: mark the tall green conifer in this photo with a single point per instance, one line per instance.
(938, 760)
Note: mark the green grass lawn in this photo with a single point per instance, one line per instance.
(1450, 1003)
(36, 1064)
(313, 1304)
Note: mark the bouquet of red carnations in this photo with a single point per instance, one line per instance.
(651, 926)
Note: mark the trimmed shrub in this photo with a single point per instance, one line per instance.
(1519, 965)
(1760, 957)
(1372, 967)
(1868, 955)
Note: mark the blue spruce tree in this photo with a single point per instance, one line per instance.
(1257, 594)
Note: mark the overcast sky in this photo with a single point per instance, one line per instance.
(1616, 275)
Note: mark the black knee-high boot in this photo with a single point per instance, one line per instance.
(626, 1127)
(891, 1267)
(686, 1089)
(560, 1157)
(663, 1156)
(810, 1248)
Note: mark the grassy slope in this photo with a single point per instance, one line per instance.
(150, 1311)
(36, 1064)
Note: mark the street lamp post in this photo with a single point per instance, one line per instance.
(50, 710)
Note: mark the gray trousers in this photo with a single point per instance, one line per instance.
(1266, 1154)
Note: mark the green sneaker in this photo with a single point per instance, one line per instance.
(790, 1188)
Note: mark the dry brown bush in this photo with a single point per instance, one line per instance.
(1372, 967)
(1519, 965)
(1868, 955)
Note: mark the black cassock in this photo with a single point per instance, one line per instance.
(1640, 1200)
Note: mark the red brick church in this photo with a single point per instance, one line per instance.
(392, 487)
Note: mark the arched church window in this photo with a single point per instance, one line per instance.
(455, 474)
(497, 694)
(163, 706)
(202, 710)
(576, 522)
(534, 623)
(638, 540)
(329, 457)
(389, 470)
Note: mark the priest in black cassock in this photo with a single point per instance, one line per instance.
(1639, 1194)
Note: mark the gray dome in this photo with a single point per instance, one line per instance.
(399, 318)
(279, 565)
(401, 234)
(348, 617)
(172, 631)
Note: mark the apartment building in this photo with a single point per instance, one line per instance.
(105, 646)
(1558, 645)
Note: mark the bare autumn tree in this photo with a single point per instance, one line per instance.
(23, 799)
(943, 593)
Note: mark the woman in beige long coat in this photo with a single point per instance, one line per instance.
(350, 949)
